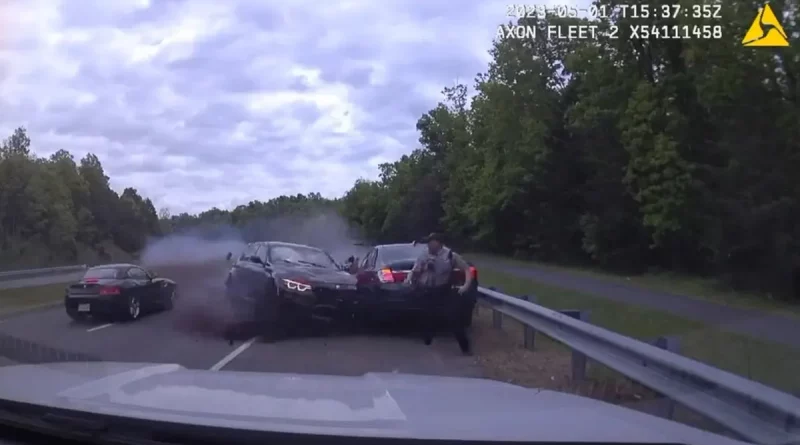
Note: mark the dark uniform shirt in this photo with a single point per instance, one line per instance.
(436, 270)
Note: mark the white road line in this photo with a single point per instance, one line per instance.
(97, 328)
(228, 358)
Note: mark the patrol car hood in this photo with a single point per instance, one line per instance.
(373, 405)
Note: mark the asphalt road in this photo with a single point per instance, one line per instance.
(758, 324)
(48, 335)
(41, 281)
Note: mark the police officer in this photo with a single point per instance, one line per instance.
(432, 275)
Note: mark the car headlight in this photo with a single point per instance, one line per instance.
(296, 285)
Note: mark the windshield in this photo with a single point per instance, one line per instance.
(392, 254)
(102, 272)
(302, 255)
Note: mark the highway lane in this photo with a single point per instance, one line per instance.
(158, 338)
(752, 322)
(41, 281)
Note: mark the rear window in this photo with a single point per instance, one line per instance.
(393, 254)
(102, 272)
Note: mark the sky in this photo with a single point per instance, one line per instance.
(209, 103)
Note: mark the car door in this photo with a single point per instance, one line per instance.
(366, 275)
(145, 288)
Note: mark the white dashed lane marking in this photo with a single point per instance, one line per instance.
(97, 328)
(229, 358)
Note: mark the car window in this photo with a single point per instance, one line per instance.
(392, 254)
(102, 272)
(135, 272)
(262, 253)
(249, 251)
(301, 255)
(366, 259)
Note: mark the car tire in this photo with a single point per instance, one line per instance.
(133, 308)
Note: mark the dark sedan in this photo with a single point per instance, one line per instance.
(381, 278)
(118, 290)
(276, 284)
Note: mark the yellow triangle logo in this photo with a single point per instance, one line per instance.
(766, 30)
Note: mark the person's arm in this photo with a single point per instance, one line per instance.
(461, 264)
(415, 271)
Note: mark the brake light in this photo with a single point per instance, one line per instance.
(386, 276)
(473, 272)
(111, 290)
(90, 280)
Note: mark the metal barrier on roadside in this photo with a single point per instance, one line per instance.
(754, 411)
(27, 273)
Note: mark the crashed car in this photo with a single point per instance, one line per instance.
(381, 279)
(278, 285)
(118, 291)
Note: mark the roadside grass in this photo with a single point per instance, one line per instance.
(22, 298)
(696, 287)
(766, 362)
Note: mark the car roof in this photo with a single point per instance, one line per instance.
(284, 244)
(114, 266)
(381, 246)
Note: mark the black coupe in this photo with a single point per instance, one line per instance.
(118, 290)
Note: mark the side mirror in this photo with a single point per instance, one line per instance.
(229, 256)
(256, 259)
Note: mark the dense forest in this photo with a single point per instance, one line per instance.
(626, 154)
(678, 154)
(56, 211)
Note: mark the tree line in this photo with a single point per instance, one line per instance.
(628, 154)
(58, 211)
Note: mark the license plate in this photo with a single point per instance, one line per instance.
(84, 307)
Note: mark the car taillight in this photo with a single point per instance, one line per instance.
(90, 280)
(109, 291)
(473, 272)
(386, 276)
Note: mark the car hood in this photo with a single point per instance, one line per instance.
(375, 405)
(317, 275)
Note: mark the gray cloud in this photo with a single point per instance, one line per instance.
(201, 103)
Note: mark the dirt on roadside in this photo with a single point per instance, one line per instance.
(502, 355)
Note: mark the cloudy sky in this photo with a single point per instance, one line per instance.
(201, 103)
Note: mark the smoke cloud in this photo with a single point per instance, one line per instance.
(196, 260)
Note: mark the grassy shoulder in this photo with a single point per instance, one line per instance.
(696, 287)
(772, 364)
(22, 298)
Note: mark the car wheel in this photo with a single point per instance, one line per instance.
(169, 301)
(133, 308)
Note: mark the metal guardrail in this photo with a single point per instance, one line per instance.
(18, 274)
(750, 409)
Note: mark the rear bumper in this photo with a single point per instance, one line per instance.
(96, 305)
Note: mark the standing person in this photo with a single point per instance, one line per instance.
(432, 274)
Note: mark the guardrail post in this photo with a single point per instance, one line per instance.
(528, 332)
(497, 317)
(672, 344)
(578, 359)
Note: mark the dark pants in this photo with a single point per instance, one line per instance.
(441, 308)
